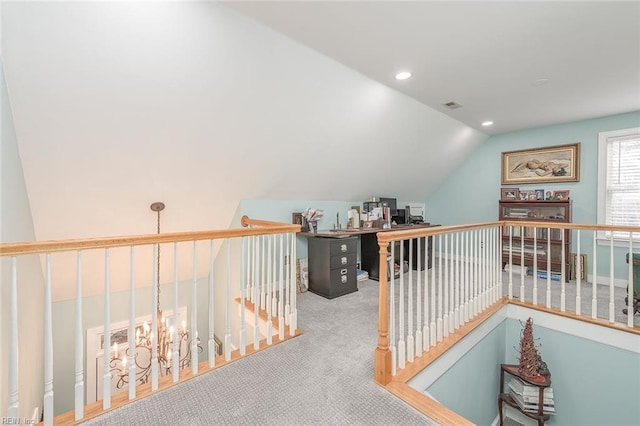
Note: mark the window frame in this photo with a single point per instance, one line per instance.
(601, 213)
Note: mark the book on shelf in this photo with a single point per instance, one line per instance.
(531, 394)
(531, 407)
(522, 388)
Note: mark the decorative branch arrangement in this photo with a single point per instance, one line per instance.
(531, 367)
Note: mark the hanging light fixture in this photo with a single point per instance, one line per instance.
(145, 340)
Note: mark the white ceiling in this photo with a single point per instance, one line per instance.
(485, 56)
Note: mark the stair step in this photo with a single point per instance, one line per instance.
(262, 314)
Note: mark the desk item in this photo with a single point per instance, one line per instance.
(332, 266)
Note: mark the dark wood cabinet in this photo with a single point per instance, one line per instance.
(545, 244)
(371, 254)
(332, 266)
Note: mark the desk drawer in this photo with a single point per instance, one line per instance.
(343, 260)
(343, 246)
(343, 279)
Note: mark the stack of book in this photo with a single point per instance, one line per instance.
(527, 396)
(362, 275)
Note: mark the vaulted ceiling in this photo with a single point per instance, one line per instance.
(520, 64)
(202, 104)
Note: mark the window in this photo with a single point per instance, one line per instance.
(619, 181)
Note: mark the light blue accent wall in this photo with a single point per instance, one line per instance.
(471, 192)
(470, 386)
(593, 383)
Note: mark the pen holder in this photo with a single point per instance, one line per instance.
(313, 226)
(305, 225)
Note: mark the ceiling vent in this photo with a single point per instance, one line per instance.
(452, 105)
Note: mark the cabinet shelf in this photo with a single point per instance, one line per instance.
(543, 244)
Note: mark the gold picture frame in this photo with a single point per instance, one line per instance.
(551, 164)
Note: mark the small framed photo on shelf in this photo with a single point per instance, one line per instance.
(509, 194)
(527, 195)
(539, 194)
(561, 195)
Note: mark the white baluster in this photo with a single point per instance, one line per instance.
(154, 322)
(14, 399)
(132, 324)
(79, 339)
(402, 348)
(106, 378)
(411, 344)
(281, 324)
(211, 341)
(48, 347)
(473, 299)
(631, 285)
(467, 266)
(612, 308)
(432, 325)
(522, 266)
(439, 324)
(578, 271)
(456, 312)
(562, 275)
(392, 311)
(268, 303)
(194, 313)
(445, 308)
(264, 270)
(548, 267)
(510, 262)
(535, 266)
(256, 305)
(287, 291)
(227, 301)
(175, 361)
(294, 315)
(243, 302)
(425, 300)
(274, 277)
(418, 297)
(594, 280)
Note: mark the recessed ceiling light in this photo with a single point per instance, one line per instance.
(487, 123)
(403, 75)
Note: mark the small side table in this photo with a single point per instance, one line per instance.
(503, 397)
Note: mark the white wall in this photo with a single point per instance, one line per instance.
(120, 104)
(16, 225)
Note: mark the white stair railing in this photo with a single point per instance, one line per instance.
(238, 278)
(466, 279)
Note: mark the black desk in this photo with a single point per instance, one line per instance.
(370, 250)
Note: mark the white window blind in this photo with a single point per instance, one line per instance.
(619, 183)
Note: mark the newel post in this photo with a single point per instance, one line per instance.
(382, 359)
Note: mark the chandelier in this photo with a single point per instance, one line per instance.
(145, 339)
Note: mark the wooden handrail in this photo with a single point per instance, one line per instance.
(389, 236)
(38, 247)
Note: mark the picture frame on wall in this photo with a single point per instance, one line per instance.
(509, 194)
(551, 164)
(561, 195)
